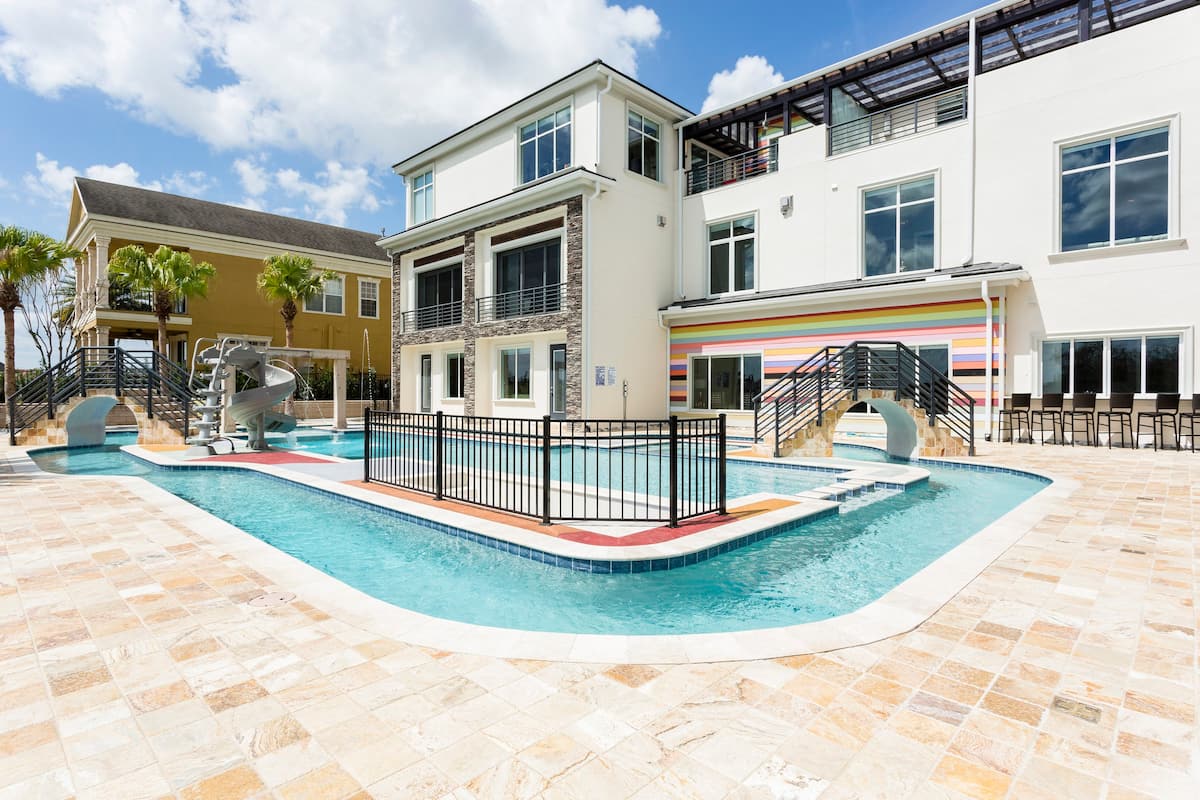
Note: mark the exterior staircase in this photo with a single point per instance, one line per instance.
(156, 389)
(797, 414)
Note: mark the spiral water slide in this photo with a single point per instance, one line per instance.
(250, 408)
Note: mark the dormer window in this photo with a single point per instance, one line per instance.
(546, 145)
(422, 198)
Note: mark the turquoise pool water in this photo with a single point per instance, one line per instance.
(591, 466)
(816, 571)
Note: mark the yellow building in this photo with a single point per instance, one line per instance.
(353, 313)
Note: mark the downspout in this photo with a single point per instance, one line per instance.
(989, 386)
(600, 116)
(1003, 343)
(681, 179)
(972, 68)
(667, 332)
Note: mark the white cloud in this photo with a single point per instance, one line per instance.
(255, 179)
(751, 74)
(52, 181)
(369, 81)
(338, 188)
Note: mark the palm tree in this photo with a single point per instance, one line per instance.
(290, 279)
(25, 257)
(168, 276)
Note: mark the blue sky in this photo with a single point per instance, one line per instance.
(300, 107)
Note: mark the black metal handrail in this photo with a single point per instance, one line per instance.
(644, 470)
(150, 377)
(123, 299)
(548, 299)
(439, 316)
(827, 377)
(758, 161)
(898, 122)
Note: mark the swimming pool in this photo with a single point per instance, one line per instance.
(816, 571)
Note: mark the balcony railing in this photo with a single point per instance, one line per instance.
(759, 161)
(898, 122)
(523, 303)
(120, 299)
(439, 316)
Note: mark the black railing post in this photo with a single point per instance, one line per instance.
(820, 397)
(971, 451)
(150, 396)
(12, 420)
(120, 370)
(366, 445)
(82, 373)
(50, 393)
(721, 464)
(776, 429)
(673, 454)
(438, 454)
(546, 469)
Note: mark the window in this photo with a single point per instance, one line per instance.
(731, 256)
(727, 383)
(1100, 364)
(454, 375)
(1115, 190)
(422, 198)
(643, 140)
(514, 373)
(368, 298)
(439, 297)
(527, 280)
(329, 299)
(546, 145)
(898, 227)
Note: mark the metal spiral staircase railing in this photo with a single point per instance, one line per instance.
(807, 393)
(155, 382)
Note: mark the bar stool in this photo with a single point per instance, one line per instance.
(1052, 409)
(1120, 409)
(1166, 407)
(1190, 418)
(1017, 411)
(1083, 407)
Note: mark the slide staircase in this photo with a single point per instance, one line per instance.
(250, 408)
(797, 413)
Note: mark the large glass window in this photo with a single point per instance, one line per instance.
(422, 197)
(514, 373)
(727, 383)
(546, 145)
(1115, 190)
(528, 278)
(1138, 364)
(368, 298)
(454, 375)
(898, 227)
(643, 143)
(731, 255)
(439, 297)
(329, 299)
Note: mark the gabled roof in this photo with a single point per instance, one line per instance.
(102, 199)
(480, 127)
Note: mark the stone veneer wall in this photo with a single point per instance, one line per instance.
(569, 319)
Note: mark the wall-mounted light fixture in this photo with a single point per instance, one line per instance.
(662, 221)
(785, 204)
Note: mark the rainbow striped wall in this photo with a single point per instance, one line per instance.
(786, 341)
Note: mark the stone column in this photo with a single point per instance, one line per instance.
(101, 334)
(102, 243)
(88, 287)
(469, 377)
(339, 394)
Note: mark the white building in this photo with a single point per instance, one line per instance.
(1007, 192)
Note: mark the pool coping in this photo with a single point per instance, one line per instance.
(898, 611)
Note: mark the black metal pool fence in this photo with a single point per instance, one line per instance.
(554, 469)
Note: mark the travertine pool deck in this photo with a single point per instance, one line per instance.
(132, 666)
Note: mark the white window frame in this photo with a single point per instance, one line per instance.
(462, 383)
(427, 194)
(337, 276)
(1185, 375)
(368, 282)
(762, 360)
(499, 373)
(937, 222)
(708, 243)
(658, 166)
(567, 104)
(1172, 125)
